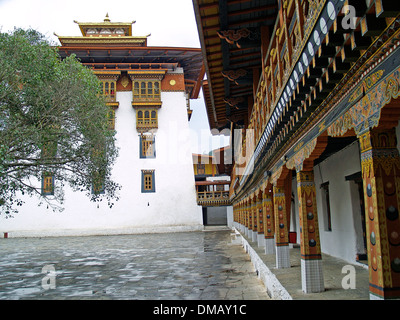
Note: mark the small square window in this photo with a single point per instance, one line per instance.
(98, 184)
(148, 183)
(48, 184)
(147, 146)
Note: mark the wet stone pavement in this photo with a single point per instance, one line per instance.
(192, 265)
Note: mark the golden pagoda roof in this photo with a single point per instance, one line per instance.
(105, 32)
(106, 24)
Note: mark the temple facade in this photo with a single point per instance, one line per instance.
(309, 91)
(148, 90)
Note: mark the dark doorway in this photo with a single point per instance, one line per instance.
(357, 179)
(215, 216)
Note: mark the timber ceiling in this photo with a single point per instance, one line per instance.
(231, 65)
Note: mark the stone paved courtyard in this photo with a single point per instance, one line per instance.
(195, 266)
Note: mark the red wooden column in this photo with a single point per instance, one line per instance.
(260, 219)
(312, 279)
(282, 195)
(281, 227)
(268, 218)
(241, 215)
(247, 215)
(380, 163)
(250, 218)
(254, 217)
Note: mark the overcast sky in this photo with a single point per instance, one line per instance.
(170, 23)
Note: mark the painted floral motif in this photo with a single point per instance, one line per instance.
(366, 113)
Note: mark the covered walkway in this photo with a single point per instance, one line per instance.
(285, 283)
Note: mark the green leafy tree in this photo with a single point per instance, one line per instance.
(52, 121)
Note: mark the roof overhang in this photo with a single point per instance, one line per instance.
(230, 38)
(127, 58)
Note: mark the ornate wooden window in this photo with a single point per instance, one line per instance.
(148, 183)
(201, 168)
(98, 176)
(108, 89)
(98, 188)
(98, 183)
(47, 184)
(48, 152)
(146, 86)
(147, 146)
(108, 85)
(146, 118)
(136, 90)
(146, 90)
(111, 118)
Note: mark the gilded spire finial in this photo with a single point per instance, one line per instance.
(107, 19)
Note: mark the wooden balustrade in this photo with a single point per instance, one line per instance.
(213, 198)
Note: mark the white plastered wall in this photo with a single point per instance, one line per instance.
(341, 241)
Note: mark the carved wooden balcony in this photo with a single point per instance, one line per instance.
(213, 198)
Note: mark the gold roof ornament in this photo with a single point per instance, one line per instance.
(105, 32)
(106, 23)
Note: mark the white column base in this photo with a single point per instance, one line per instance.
(269, 246)
(312, 278)
(254, 236)
(260, 240)
(282, 257)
